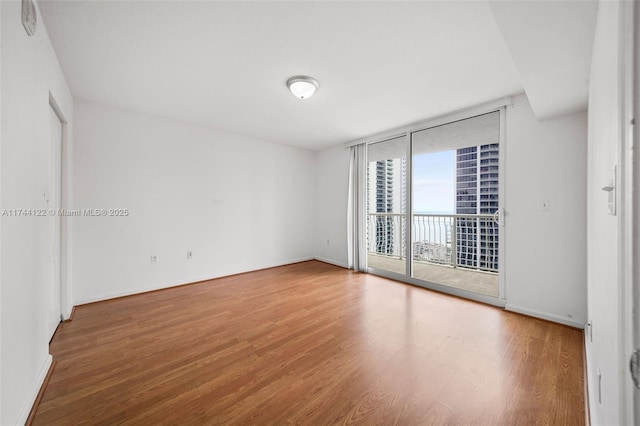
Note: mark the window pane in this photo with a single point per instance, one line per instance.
(386, 205)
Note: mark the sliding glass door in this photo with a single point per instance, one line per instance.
(433, 206)
(456, 201)
(387, 205)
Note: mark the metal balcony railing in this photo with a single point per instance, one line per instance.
(473, 244)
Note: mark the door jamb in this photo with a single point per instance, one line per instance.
(65, 224)
(628, 218)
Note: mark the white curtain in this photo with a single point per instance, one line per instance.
(357, 209)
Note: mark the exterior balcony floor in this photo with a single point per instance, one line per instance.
(465, 279)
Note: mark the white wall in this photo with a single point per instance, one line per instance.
(545, 251)
(332, 178)
(545, 258)
(237, 203)
(30, 71)
(603, 280)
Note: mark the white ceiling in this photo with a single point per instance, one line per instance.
(379, 64)
(550, 43)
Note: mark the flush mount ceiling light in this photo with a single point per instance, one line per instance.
(302, 86)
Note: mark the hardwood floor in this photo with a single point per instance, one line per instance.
(312, 344)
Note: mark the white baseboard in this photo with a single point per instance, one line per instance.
(332, 262)
(28, 405)
(187, 281)
(66, 314)
(544, 315)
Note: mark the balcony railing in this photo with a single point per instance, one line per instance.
(473, 244)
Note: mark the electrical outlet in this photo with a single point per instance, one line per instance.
(154, 258)
(189, 254)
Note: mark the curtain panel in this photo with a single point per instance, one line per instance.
(357, 209)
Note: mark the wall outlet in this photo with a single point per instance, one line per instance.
(189, 254)
(154, 258)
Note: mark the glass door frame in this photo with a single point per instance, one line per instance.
(406, 132)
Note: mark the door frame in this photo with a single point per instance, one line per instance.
(406, 131)
(634, 196)
(502, 193)
(53, 205)
(66, 304)
(629, 217)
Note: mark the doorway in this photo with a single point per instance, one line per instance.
(434, 207)
(53, 204)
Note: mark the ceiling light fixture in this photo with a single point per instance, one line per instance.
(302, 86)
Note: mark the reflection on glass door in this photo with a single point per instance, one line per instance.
(387, 205)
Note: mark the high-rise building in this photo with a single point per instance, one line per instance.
(467, 203)
(387, 194)
(384, 204)
(477, 189)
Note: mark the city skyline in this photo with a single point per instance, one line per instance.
(462, 181)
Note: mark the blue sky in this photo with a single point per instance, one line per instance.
(434, 182)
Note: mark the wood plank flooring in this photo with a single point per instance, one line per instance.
(310, 344)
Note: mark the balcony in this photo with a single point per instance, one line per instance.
(466, 259)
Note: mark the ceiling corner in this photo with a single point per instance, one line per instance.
(550, 44)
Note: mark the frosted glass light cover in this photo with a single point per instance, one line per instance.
(302, 86)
